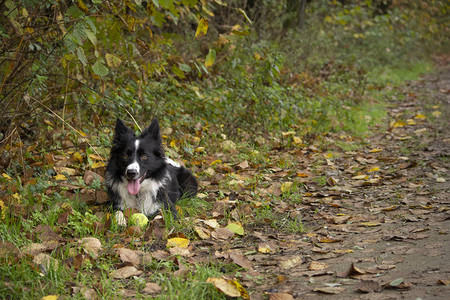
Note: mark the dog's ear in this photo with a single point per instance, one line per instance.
(121, 130)
(152, 131)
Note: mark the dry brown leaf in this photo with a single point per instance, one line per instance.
(241, 260)
(212, 223)
(317, 266)
(222, 234)
(129, 256)
(202, 232)
(368, 286)
(34, 249)
(290, 263)
(180, 251)
(45, 261)
(281, 296)
(91, 246)
(330, 290)
(125, 272)
(151, 288)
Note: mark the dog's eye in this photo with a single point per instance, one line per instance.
(124, 156)
(144, 157)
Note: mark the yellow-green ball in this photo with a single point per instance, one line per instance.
(139, 219)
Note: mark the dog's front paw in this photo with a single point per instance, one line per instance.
(120, 218)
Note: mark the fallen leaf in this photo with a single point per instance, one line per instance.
(267, 247)
(180, 251)
(177, 242)
(125, 272)
(352, 271)
(375, 150)
(396, 282)
(243, 165)
(34, 249)
(369, 224)
(317, 266)
(222, 233)
(330, 290)
(46, 262)
(91, 246)
(202, 232)
(360, 177)
(60, 177)
(290, 263)
(286, 186)
(129, 256)
(444, 282)
(50, 297)
(368, 286)
(236, 228)
(212, 223)
(420, 117)
(281, 296)
(241, 260)
(151, 288)
(231, 288)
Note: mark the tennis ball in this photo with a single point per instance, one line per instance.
(139, 219)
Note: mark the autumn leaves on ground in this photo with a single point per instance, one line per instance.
(351, 217)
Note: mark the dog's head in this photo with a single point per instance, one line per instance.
(137, 158)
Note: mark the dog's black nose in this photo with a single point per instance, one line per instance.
(131, 173)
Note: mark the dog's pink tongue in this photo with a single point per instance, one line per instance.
(133, 186)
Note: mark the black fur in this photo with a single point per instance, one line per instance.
(158, 181)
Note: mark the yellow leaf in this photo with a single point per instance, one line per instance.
(112, 60)
(420, 117)
(6, 176)
(288, 133)
(217, 161)
(286, 186)
(231, 288)
(329, 240)
(60, 177)
(210, 58)
(343, 251)
(177, 242)
(374, 169)
(297, 140)
(410, 122)
(236, 228)
(436, 114)
(50, 297)
(302, 175)
(17, 197)
(77, 157)
(202, 28)
(264, 249)
(375, 150)
(370, 224)
(398, 124)
(98, 164)
(96, 157)
(202, 233)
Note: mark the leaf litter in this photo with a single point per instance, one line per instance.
(352, 206)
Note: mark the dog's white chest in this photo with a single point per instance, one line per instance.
(145, 200)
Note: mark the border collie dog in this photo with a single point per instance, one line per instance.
(139, 176)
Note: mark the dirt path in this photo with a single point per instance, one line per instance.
(382, 220)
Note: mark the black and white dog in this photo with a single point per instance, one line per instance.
(139, 176)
